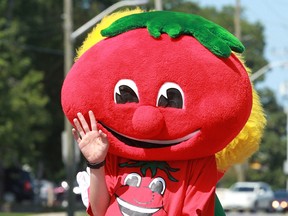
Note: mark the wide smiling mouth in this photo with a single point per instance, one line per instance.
(129, 209)
(147, 143)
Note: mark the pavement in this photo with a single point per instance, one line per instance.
(59, 214)
(36, 210)
(51, 214)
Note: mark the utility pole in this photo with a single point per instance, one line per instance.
(158, 5)
(239, 168)
(67, 140)
(284, 93)
(237, 19)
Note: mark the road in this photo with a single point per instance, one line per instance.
(255, 214)
(227, 214)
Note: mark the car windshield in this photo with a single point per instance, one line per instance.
(281, 194)
(243, 189)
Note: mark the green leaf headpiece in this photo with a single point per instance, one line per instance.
(212, 36)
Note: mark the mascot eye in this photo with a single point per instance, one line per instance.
(125, 91)
(158, 185)
(170, 95)
(133, 179)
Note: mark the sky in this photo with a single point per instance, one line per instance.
(273, 14)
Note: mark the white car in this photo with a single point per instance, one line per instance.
(247, 196)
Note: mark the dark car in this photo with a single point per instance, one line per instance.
(280, 201)
(18, 184)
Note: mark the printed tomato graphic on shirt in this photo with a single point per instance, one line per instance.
(142, 195)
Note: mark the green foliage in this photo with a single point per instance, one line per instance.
(23, 116)
(271, 154)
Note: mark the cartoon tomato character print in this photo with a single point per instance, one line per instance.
(142, 188)
(140, 197)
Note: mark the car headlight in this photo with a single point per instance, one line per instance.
(275, 204)
(283, 204)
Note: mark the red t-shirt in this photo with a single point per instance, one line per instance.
(174, 188)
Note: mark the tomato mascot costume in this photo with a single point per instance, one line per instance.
(175, 100)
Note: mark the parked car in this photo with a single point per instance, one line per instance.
(280, 201)
(251, 196)
(18, 185)
(44, 192)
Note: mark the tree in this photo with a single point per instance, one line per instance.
(38, 43)
(271, 154)
(42, 45)
(23, 119)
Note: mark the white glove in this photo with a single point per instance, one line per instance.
(83, 180)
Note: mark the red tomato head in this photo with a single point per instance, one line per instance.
(159, 98)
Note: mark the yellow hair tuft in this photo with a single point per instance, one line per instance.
(95, 35)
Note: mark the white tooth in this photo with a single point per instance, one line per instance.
(136, 208)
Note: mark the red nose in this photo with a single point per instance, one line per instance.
(148, 121)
